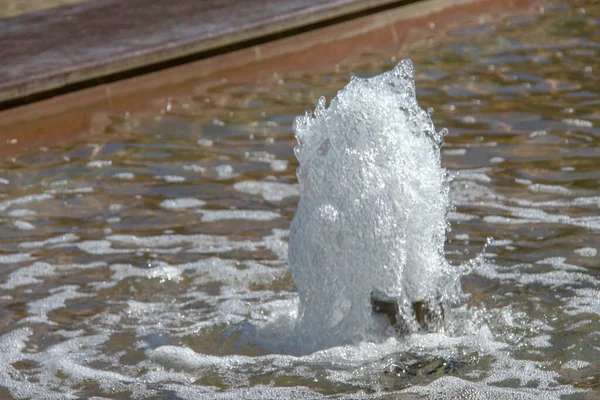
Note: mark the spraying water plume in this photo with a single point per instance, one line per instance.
(369, 231)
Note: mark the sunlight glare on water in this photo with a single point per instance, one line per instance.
(151, 261)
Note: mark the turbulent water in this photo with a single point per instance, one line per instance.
(151, 261)
(372, 211)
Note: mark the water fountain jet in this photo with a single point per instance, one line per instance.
(367, 240)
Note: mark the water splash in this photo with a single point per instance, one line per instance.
(372, 212)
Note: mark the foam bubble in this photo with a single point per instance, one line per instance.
(127, 176)
(586, 252)
(99, 164)
(270, 191)
(554, 189)
(24, 200)
(66, 238)
(279, 165)
(225, 171)
(15, 258)
(21, 212)
(455, 152)
(100, 247)
(161, 272)
(575, 364)
(23, 225)
(579, 123)
(171, 178)
(182, 203)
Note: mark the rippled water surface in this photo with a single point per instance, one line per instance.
(151, 261)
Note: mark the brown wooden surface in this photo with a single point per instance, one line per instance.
(12, 8)
(50, 49)
(395, 32)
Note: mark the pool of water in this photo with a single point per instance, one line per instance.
(151, 261)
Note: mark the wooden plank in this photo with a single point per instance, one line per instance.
(50, 49)
(12, 8)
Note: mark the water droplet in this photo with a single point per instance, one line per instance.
(320, 108)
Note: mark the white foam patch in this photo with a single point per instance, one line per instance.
(279, 165)
(586, 252)
(182, 203)
(225, 171)
(564, 275)
(39, 309)
(171, 178)
(21, 212)
(61, 239)
(12, 345)
(560, 264)
(553, 189)
(455, 152)
(270, 191)
(263, 156)
(29, 275)
(100, 247)
(456, 216)
(138, 308)
(126, 176)
(99, 164)
(230, 272)
(585, 301)
(194, 168)
(251, 215)
(580, 123)
(475, 175)
(449, 387)
(32, 274)
(24, 200)
(23, 225)
(67, 190)
(496, 219)
(522, 215)
(256, 392)
(278, 243)
(204, 142)
(15, 258)
(184, 358)
(507, 368)
(163, 272)
(362, 364)
(541, 341)
(576, 365)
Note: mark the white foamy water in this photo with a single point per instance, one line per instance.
(155, 277)
(218, 215)
(181, 204)
(372, 211)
